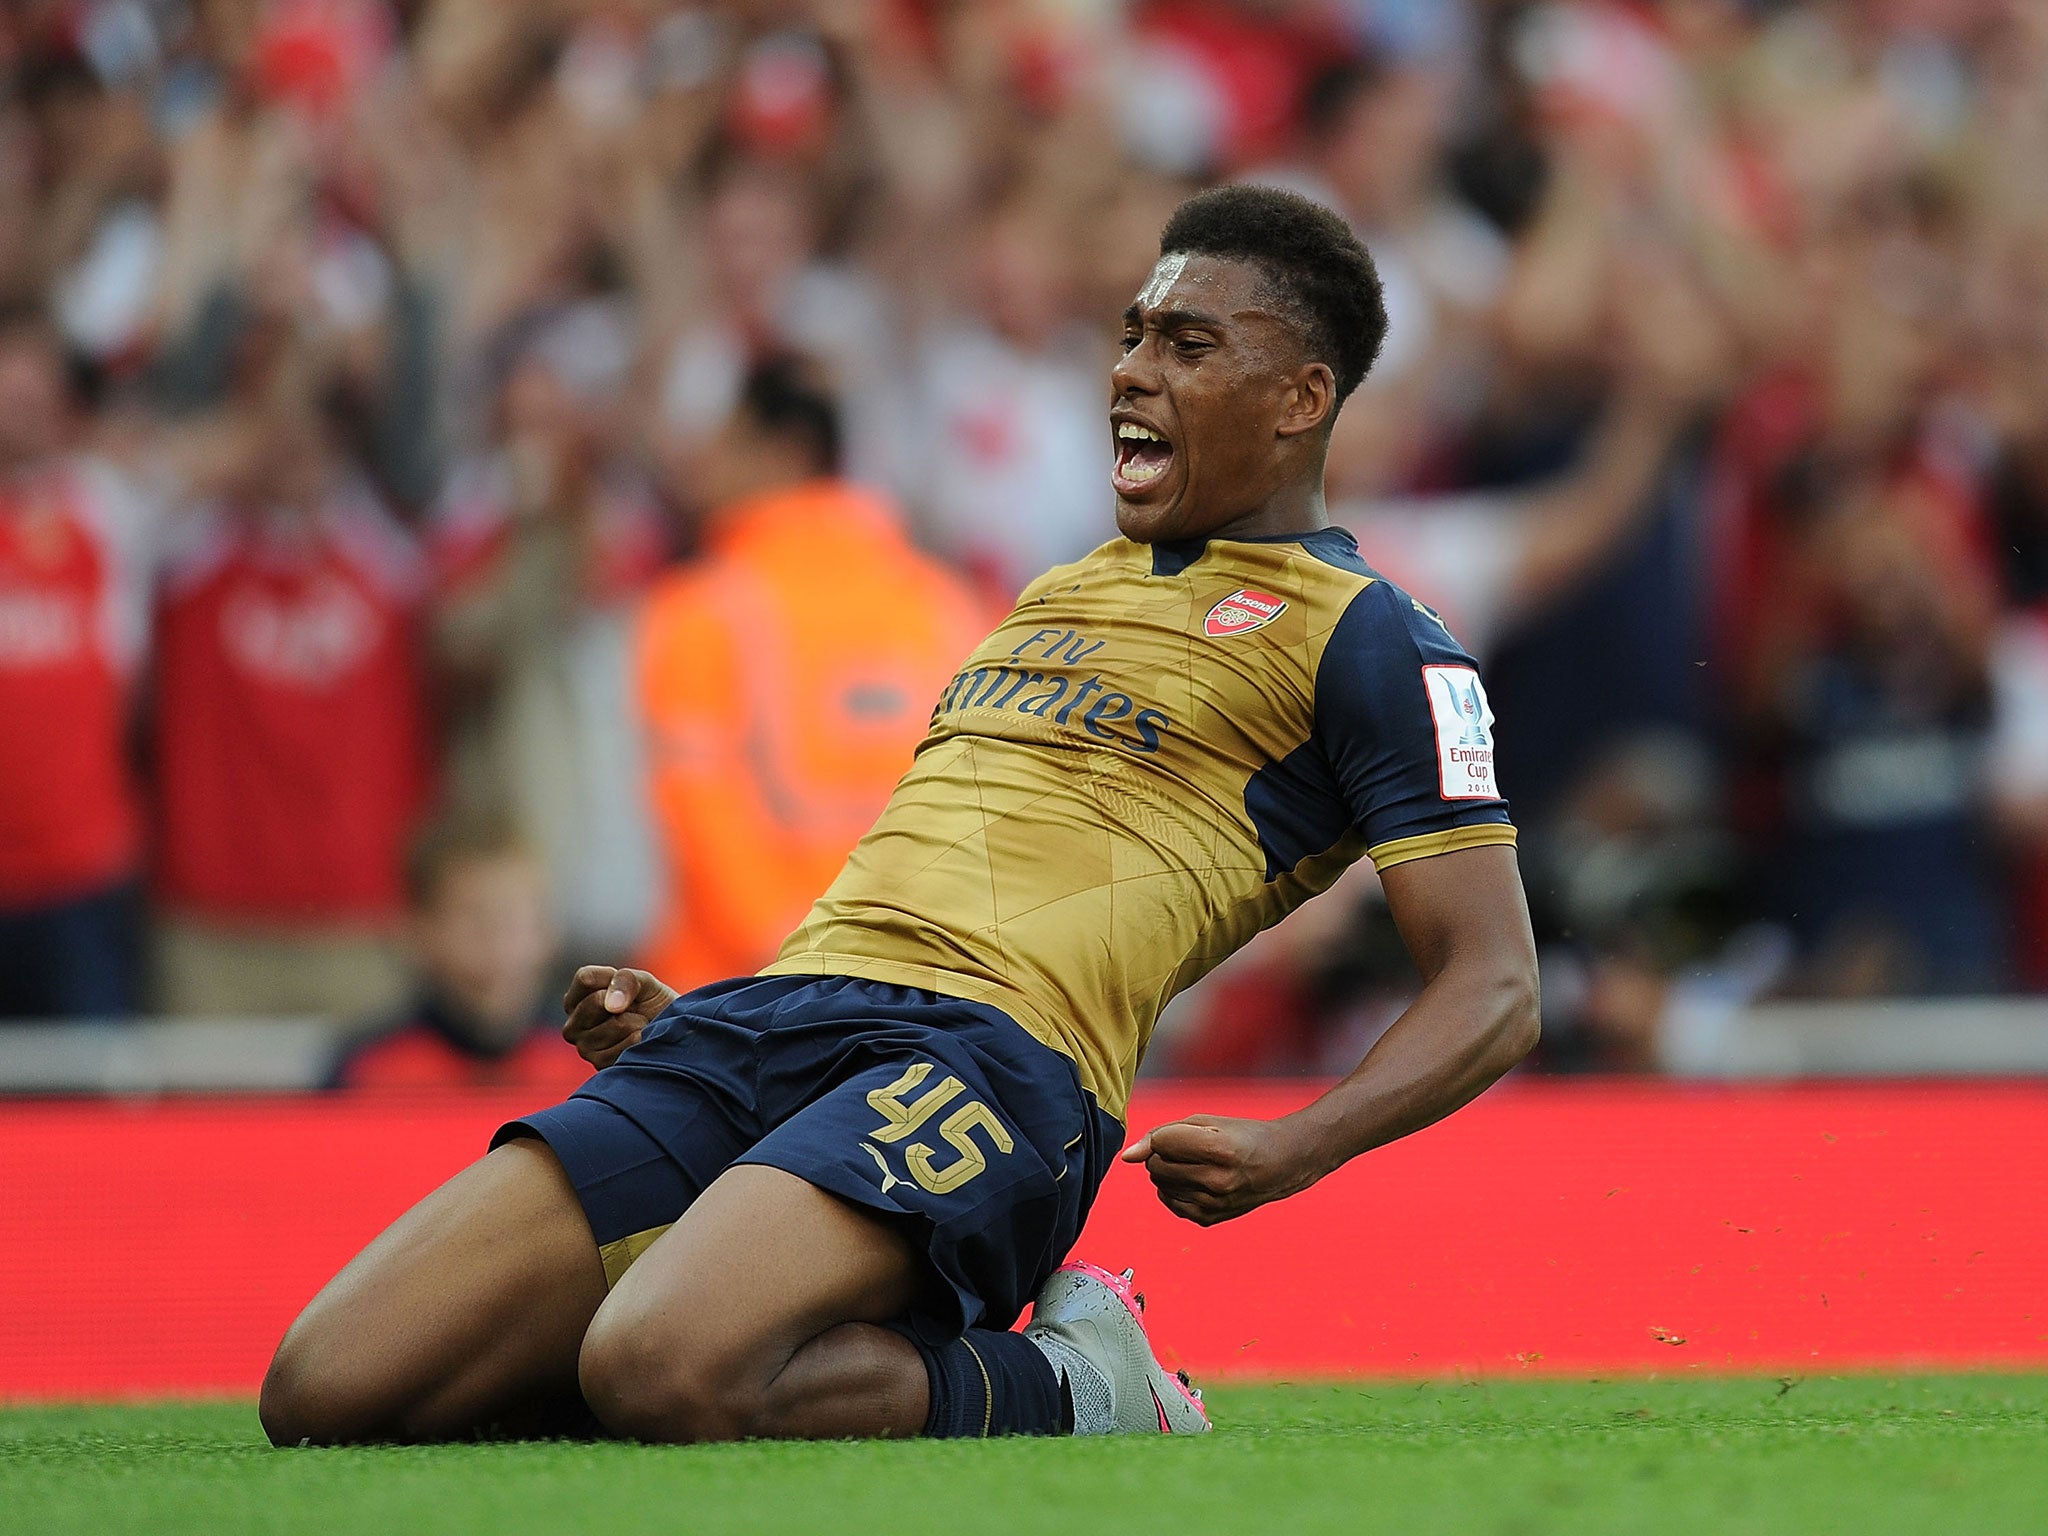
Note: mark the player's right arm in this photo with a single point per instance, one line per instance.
(608, 1007)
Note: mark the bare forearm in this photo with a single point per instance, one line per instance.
(1457, 1039)
(1464, 920)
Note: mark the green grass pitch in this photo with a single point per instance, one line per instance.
(1857, 1455)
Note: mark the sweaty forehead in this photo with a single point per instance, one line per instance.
(1163, 277)
(1209, 284)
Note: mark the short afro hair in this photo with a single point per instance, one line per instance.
(1320, 271)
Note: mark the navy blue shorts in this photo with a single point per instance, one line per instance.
(940, 1112)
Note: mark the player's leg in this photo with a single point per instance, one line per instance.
(464, 1317)
(924, 1165)
(759, 1313)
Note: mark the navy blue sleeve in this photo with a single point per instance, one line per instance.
(1404, 725)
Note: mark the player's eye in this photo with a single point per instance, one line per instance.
(1130, 340)
(1192, 346)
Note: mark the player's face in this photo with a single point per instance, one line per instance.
(1202, 402)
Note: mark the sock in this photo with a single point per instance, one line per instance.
(1083, 1388)
(989, 1383)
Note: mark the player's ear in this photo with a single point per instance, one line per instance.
(1311, 397)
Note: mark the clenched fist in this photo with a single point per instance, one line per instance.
(1210, 1168)
(608, 1007)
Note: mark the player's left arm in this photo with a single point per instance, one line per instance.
(1405, 730)
(1465, 921)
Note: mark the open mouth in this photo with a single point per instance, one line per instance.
(1142, 456)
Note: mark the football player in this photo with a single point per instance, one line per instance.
(812, 1202)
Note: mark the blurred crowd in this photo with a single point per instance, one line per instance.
(484, 482)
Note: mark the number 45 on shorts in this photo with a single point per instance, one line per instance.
(901, 1119)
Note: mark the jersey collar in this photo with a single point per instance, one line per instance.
(1332, 546)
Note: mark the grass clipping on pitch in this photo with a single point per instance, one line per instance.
(1865, 1455)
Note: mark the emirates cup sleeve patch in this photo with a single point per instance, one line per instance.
(1464, 733)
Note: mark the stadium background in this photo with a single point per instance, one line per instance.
(1711, 416)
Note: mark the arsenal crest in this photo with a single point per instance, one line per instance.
(1242, 612)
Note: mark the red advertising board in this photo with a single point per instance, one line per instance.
(150, 1249)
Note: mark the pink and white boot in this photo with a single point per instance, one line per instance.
(1091, 1326)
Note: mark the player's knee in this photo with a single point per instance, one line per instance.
(644, 1384)
(281, 1404)
(292, 1406)
(317, 1392)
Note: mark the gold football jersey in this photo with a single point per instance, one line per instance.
(1161, 751)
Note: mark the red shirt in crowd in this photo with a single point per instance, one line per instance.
(291, 740)
(69, 624)
(1253, 66)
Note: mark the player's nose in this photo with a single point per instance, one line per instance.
(1136, 372)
